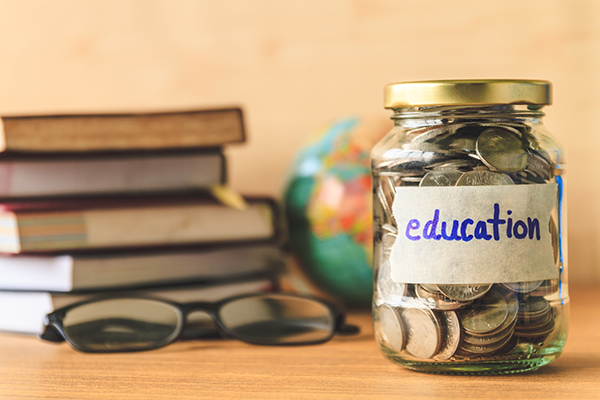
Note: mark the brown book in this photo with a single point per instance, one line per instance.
(132, 222)
(121, 132)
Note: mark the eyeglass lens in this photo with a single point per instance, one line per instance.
(122, 324)
(277, 319)
(138, 324)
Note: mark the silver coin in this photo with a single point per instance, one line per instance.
(430, 287)
(386, 193)
(503, 330)
(534, 324)
(512, 307)
(489, 339)
(396, 174)
(405, 162)
(548, 287)
(387, 241)
(454, 164)
(388, 324)
(501, 150)
(425, 134)
(440, 178)
(485, 349)
(540, 165)
(484, 178)
(526, 177)
(533, 307)
(411, 179)
(452, 335)
(436, 300)
(389, 291)
(389, 228)
(541, 331)
(423, 332)
(467, 145)
(464, 292)
(522, 287)
(510, 127)
(486, 314)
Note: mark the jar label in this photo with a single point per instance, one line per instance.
(473, 234)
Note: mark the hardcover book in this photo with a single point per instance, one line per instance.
(157, 221)
(83, 272)
(136, 173)
(107, 132)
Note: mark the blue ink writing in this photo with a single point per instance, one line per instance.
(477, 230)
(412, 224)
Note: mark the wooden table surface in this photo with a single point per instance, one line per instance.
(345, 368)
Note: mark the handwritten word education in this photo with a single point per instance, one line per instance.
(517, 229)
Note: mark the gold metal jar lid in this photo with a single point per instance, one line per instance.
(467, 92)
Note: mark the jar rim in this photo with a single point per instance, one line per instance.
(467, 92)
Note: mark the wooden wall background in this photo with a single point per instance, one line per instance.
(295, 66)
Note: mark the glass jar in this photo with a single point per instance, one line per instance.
(469, 229)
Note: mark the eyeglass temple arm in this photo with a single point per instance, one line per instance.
(341, 327)
(347, 329)
(52, 334)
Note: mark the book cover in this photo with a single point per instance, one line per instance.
(148, 221)
(110, 174)
(121, 132)
(84, 272)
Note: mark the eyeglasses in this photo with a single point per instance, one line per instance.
(133, 323)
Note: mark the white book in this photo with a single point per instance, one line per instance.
(24, 312)
(35, 177)
(65, 273)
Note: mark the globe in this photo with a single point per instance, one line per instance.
(328, 207)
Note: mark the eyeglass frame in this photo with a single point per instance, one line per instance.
(54, 330)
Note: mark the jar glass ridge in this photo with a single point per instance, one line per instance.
(456, 292)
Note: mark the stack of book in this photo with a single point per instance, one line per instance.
(131, 203)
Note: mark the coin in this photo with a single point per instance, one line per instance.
(390, 292)
(501, 150)
(485, 314)
(426, 133)
(387, 241)
(386, 193)
(540, 166)
(456, 164)
(423, 332)
(436, 300)
(507, 327)
(389, 228)
(430, 287)
(460, 137)
(532, 307)
(483, 340)
(533, 324)
(464, 292)
(407, 162)
(484, 178)
(411, 179)
(389, 326)
(452, 335)
(547, 287)
(484, 349)
(440, 178)
(509, 346)
(523, 287)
